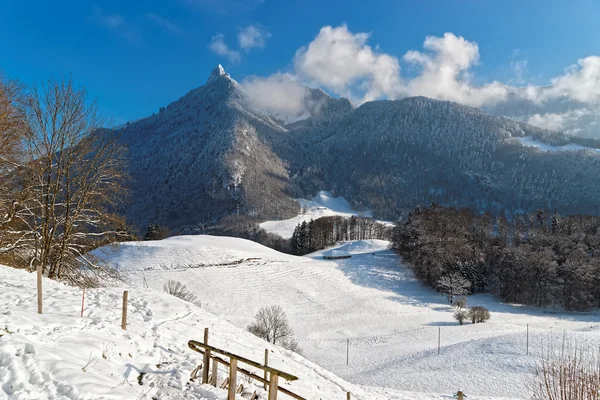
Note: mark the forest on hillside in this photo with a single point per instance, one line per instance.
(540, 259)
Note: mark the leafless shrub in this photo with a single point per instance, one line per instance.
(271, 324)
(181, 291)
(478, 314)
(572, 373)
(461, 316)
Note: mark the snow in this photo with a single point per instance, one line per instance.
(529, 141)
(324, 204)
(60, 355)
(217, 72)
(391, 320)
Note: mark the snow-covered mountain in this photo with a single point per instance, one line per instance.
(202, 157)
(211, 154)
(390, 155)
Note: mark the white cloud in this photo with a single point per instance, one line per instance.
(164, 23)
(342, 61)
(115, 23)
(279, 94)
(253, 36)
(560, 121)
(218, 46)
(580, 82)
(518, 65)
(445, 72)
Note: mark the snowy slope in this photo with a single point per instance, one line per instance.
(529, 141)
(324, 204)
(391, 320)
(59, 355)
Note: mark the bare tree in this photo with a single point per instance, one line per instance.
(12, 131)
(272, 325)
(572, 373)
(181, 291)
(454, 285)
(71, 181)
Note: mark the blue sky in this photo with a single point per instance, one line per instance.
(136, 56)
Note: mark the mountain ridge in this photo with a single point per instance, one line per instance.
(210, 154)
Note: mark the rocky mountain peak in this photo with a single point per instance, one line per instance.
(216, 73)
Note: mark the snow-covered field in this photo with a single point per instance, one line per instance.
(62, 356)
(391, 321)
(322, 205)
(529, 141)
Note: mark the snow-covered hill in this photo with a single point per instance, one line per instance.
(324, 204)
(391, 321)
(62, 356)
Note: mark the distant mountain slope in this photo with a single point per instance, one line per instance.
(211, 154)
(394, 155)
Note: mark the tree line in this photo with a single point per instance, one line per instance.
(325, 231)
(540, 259)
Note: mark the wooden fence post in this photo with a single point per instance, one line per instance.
(232, 379)
(527, 339)
(347, 395)
(347, 352)
(460, 395)
(266, 364)
(206, 360)
(82, 302)
(215, 372)
(124, 315)
(39, 287)
(273, 386)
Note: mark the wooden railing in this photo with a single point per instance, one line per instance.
(270, 379)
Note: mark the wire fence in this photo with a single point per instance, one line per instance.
(487, 339)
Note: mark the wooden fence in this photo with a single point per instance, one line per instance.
(212, 355)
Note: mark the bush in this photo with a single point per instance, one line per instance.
(180, 291)
(461, 316)
(271, 324)
(478, 314)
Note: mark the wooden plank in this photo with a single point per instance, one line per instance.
(206, 360)
(273, 386)
(266, 364)
(194, 373)
(232, 379)
(194, 345)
